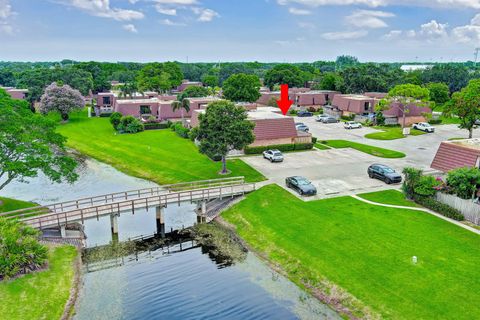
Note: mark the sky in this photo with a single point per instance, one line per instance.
(239, 30)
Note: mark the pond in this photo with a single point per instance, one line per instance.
(189, 284)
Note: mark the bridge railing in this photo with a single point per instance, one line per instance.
(66, 206)
(52, 218)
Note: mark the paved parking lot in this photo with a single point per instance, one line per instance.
(334, 172)
(420, 150)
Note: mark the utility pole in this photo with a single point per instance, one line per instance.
(475, 55)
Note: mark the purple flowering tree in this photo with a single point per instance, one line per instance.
(61, 98)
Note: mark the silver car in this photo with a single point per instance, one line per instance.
(273, 155)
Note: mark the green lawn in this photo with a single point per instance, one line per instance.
(13, 204)
(374, 151)
(40, 295)
(391, 133)
(157, 155)
(367, 250)
(321, 146)
(394, 197)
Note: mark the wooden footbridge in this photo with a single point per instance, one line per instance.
(59, 214)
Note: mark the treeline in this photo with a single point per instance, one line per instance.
(346, 74)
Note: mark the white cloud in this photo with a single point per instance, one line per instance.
(169, 22)
(344, 35)
(306, 25)
(166, 11)
(6, 13)
(368, 19)
(101, 8)
(130, 28)
(433, 29)
(475, 4)
(177, 2)
(468, 33)
(400, 34)
(205, 15)
(299, 12)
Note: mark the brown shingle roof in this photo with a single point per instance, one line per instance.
(452, 155)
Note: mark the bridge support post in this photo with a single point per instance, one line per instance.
(160, 219)
(63, 231)
(202, 211)
(114, 224)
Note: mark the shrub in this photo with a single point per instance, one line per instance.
(464, 182)
(293, 112)
(435, 121)
(314, 140)
(280, 147)
(156, 125)
(130, 124)
(312, 109)
(115, 119)
(20, 251)
(380, 119)
(348, 118)
(180, 130)
(427, 186)
(105, 114)
(412, 177)
(443, 209)
(193, 134)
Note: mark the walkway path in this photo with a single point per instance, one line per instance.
(419, 209)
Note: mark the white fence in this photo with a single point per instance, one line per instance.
(468, 208)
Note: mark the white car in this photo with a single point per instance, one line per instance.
(320, 117)
(273, 155)
(352, 125)
(424, 126)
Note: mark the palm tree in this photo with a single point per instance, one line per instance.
(184, 105)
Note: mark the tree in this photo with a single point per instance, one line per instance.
(330, 81)
(242, 87)
(223, 128)
(29, 144)
(193, 92)
(210, 80)
(183, 105)
(403, 96)
(345, 61)
(159, 77)
(455, 75)
(128, 89)
(466, 105)
(285, 74)
(412, 178)
(61, 98)
(464, 182)
(371, 77)
(439, 92)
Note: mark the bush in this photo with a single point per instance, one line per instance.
(464, 182)
(427, 186)
(280, 147)
(115, 119)
(156, 125)
(435, 121)
(312, 109)
(443, 209)
(20, 251)
(314, 140)
(412, 177)
(193, 134)
(130, 124)
(380, 119)
(348, 118)
(180, 130)
(105, 114)
(293, 112)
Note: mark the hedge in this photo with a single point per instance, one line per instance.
(441, 208)
(280, 147)
(435, 121)
(156, 125)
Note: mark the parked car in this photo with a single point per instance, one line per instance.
(477, 122)
(330, 119)
(301, 185)
(352, 125)
(320, 117)
(301, 127)
(384, 173)
(424, 126)
(273, 155)
(304, 113)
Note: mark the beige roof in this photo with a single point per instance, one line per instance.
(469, 143)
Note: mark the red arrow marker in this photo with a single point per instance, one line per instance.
(284, 104)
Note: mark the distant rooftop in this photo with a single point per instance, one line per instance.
(469, 143)
(264, 114)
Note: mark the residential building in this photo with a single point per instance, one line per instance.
(354, 104)
(271, 128)
(16, 93)
(457, 154)
(314, 98)
(186, 83)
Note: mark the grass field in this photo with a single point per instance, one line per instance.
(372, 150)
(13, 204)
(393, 197)
(157, 155)
(367, 250)
(391, 133)
(40, 295)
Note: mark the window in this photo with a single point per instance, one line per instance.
(106, 100)
(367, 106)
(145, 110)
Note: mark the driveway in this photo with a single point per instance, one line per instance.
(334, 172)
(420, 150)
